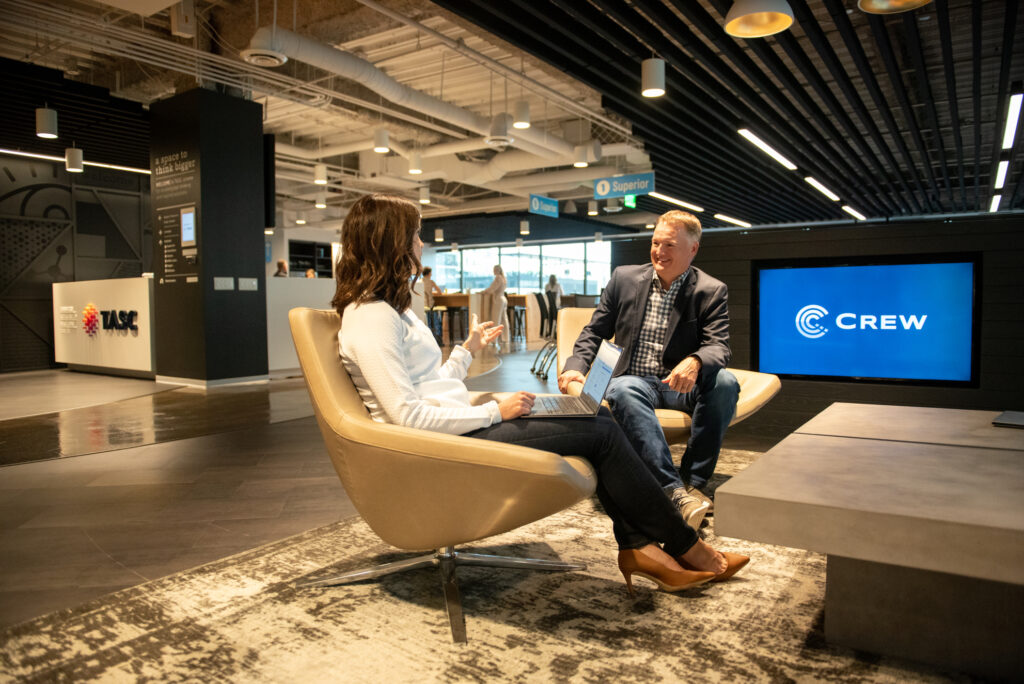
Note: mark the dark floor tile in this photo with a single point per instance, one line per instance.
(20, 605)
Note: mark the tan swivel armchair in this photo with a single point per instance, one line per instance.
(421, 490)
(756, 389)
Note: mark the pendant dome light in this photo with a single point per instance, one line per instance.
(424, 194)
(321, 200)
(592, 208)
(439, 235)
(890, 6)
(415, 163)
(652, 77)
(524, 227)
(46, 123)
(320, 174)
(758, 18)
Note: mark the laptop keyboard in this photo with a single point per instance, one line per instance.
(559, 404)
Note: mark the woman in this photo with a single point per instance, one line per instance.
(396, 366)
(495, 295)
(554, 287)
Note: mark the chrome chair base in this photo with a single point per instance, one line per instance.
(447, 559)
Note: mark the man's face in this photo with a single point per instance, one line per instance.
(672, 252)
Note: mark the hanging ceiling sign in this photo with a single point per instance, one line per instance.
(620, 186)
(545, 206)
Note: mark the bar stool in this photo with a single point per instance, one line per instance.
(517, 321)
(456, 315)
(435, 321)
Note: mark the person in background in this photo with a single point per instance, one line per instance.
(554, 286)
(430, 288)
(672, 321)
(395, 364)
(282, 269)
(310, 273)
(495, 294)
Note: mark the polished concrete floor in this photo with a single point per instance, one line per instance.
(148, 480)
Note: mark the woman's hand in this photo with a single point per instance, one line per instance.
(519, 404)
(481, 334)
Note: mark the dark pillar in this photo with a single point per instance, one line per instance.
(210, 309)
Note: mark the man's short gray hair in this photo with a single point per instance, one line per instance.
(682, 220)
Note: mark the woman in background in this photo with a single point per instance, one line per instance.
(554, 287)
(395, 364)
(498, 303)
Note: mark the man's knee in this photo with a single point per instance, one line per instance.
(630, 390)
(726, 389)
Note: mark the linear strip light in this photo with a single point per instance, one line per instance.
(673, 200)
(1012, 116)
(766, 148)
(1001, 174)
(995, 203)
(50, 157)
(854, 213)
(730, 219)
(822, 189)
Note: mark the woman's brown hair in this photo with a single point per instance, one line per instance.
(377, 260)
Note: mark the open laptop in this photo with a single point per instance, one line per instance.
(589, 402)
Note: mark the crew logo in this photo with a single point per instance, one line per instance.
(807, 321)
(90, 319)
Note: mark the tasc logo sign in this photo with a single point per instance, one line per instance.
(111, 320)
(808, 321)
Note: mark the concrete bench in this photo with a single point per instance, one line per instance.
(920, 512)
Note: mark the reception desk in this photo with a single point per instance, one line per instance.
(105, 326)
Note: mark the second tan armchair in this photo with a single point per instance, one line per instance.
(756, 389)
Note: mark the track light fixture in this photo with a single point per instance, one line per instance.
(46, 122)
(73, 161)
(652, 77)
(320, 174)
(758, 18)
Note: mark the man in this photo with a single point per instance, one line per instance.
(282, 269)
(672, 321)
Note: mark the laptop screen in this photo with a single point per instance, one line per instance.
(601, 372)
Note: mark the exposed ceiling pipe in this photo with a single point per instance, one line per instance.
(270, 41)
(558, 177)
(323, 153)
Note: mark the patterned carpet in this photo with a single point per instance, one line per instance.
(241, 619)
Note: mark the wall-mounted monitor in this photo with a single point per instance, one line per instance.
(188, 226)
(879, 319)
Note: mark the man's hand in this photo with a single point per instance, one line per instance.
(567, 377)
(684, 376)
(519, 404)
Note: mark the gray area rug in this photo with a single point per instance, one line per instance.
(241, 619)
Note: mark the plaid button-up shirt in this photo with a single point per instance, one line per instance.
(650, 343)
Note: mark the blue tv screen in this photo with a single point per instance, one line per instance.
(913, 320)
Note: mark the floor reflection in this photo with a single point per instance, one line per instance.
(171, 415)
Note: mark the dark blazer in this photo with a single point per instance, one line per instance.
(698, 325)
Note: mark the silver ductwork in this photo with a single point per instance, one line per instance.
(273, 44)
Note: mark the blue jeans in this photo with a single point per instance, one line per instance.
(711, 405)
(631, 497)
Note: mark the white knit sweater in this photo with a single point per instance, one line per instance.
(396, 366)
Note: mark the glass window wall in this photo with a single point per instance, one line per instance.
(478, 268)
(522, 268)
(599, 266)
(566, 262)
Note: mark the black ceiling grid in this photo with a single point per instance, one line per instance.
(855, 100)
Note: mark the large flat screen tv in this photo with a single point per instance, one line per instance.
(878, 319)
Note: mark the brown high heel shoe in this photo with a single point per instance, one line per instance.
(734, 563)
(632, 562)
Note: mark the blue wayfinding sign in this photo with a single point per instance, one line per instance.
(620, 186)
(545, 206)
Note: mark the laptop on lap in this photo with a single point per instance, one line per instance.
(589, 401)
